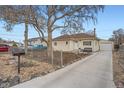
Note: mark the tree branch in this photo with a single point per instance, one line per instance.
(69, 13)
(40, 33)
(66, 14)
(57, 27)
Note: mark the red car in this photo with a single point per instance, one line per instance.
(4, 48)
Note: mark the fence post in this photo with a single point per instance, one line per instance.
(18, 68)
(19, 64)
(62, 59)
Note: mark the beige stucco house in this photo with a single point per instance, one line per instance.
(75, 42)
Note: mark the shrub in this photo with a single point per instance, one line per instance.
(14, 44)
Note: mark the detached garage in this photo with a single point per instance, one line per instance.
(106, 45)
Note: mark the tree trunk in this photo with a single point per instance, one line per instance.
(99, 44)
(49, 49)
(26, 36)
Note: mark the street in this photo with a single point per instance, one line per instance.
(94, 71)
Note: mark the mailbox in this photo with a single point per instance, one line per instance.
(18, 52)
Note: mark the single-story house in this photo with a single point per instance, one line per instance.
(76, 42)
(36, 41)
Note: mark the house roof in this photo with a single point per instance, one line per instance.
(75, 37)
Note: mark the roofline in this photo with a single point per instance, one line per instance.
(89, 37)
(77, 39)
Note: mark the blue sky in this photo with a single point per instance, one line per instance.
(111, 19)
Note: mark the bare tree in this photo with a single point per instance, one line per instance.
(14, 15)
(68, 19)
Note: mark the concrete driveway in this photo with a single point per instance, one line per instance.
(94, 71)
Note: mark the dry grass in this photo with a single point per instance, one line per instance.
(118, 70)
(28, 67)
(34, 64)
(68, 57)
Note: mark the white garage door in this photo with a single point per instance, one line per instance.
(105, 47)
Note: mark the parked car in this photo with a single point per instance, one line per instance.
(4, 48)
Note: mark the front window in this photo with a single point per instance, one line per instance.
(87, 43)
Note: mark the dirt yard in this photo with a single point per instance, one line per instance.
(34, 64)
(68, 57)
(118, 67)
(29, 69)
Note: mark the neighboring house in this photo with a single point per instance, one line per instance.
(76, 42)
(10, 43)
(36, 41)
